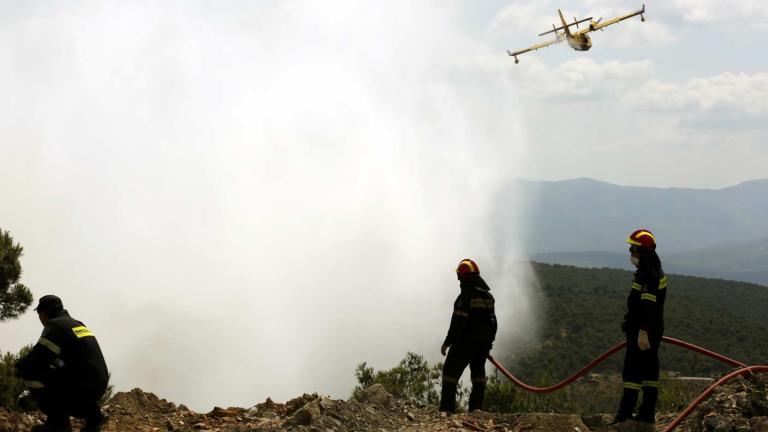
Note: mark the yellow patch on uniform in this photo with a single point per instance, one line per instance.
(81, 331)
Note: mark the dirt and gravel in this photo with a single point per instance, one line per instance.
(740, 406)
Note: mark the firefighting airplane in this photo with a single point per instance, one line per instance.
(578, 40)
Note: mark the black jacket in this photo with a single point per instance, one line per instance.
(66, 350)
(645, 304)
(473, 324)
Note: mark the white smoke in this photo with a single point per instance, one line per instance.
(244, 199)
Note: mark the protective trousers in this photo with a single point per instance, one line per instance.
(59, 400)
(457, 360)
(640, 374)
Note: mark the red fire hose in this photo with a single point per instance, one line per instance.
(709, 390)
(744, 369)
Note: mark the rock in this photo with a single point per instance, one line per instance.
(409, 415)
(715, 424)
(327, 404)
(219, 412)
(169, 425)
(550, 422)
(260, 412)
(759, 424)
(295, 404)
(759, 406)
(644, 427)
(306, 414)
(597, 421)
(376, 394)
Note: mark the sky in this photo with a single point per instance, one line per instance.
(247, 199)
(679, 100)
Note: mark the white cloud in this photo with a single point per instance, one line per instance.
(582, 77)
(711, 11)
(739, 92)
(632, 34)
(529, 17)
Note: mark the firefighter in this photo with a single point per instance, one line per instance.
(65, 371)
(644, 327)
(470, 337)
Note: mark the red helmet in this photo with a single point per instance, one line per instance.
(642, 238)
(467, 266)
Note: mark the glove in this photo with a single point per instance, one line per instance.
(642, 341)
(26, 402)
(443, 349)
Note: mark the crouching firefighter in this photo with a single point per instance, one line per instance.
(65, 371)
(470, 337)
(644, 328)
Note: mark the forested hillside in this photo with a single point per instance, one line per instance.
(582, 310)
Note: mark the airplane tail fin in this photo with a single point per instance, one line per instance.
(565, 25)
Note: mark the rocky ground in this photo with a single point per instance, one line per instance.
(740, 406)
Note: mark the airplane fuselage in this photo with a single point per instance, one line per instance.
(580, 42)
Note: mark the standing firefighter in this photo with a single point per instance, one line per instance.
(470, 337)
(644, 327)
(65, 371)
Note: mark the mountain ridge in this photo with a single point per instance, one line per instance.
(585, 214)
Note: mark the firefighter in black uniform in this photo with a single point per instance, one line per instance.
(65, 371)
(644, 328)
(470, 337)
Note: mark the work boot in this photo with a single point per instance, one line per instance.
(95, 424)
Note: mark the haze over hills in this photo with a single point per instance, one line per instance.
(715, 233)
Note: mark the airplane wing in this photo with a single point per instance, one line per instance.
(557, 39)
(601, 25)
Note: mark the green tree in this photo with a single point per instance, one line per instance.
(413, 379)
(11, 386)
(15, 298)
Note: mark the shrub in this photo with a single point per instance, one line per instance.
(10, 385)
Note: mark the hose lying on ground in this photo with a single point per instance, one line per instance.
(743, 369)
